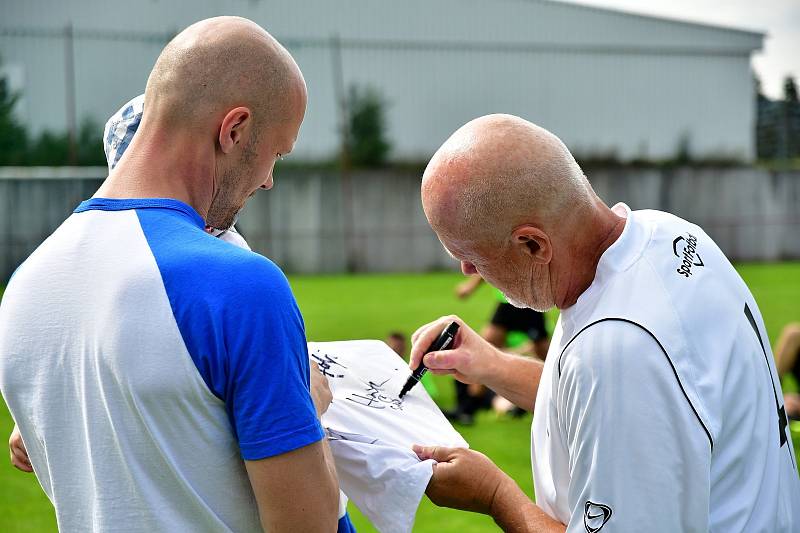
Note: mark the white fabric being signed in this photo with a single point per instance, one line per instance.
(371, 431)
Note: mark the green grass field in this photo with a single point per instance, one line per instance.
(368, 307)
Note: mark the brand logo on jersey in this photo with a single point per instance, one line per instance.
(686, 249)
(595, 516)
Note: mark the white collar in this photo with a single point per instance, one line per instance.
(620, 256)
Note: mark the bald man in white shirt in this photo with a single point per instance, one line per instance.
(658, 408)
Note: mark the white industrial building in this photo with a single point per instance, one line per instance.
(607, 82)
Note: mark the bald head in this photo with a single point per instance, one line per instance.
(220, 63)
(497, 172)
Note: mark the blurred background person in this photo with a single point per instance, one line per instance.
(506, 321)
(787, 359)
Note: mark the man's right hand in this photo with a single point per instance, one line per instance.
(473, 360)
(470, 360)
(19, 455)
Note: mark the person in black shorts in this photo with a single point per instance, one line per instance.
(506, 319)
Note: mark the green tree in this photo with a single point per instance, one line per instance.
(368, 145)
(766, 124)
(790, 90)
(791, 119)
(52, 149)
(90, 144)
(49, 150)
(13, 137)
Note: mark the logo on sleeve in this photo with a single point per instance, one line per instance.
(685, 248)
(595, 516)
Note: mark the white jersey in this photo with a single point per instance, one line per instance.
(659, 408)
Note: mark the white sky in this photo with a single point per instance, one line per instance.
(780, 19)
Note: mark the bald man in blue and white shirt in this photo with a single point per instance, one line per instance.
(159, 376)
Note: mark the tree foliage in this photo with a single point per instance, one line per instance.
(778, 124)
(13, 137)
(368, 144)
(18, 147)
(789, 90)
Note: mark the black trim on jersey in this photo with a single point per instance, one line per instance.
(782, 421)
(708, 433)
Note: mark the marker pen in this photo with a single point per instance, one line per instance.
(442, 342)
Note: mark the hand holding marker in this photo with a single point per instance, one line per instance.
(442, 342)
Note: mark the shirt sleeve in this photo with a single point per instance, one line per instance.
(266, 386)
(639, 459)
(246, 336)
(243, 330)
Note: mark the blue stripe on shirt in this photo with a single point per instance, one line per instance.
(345, 525)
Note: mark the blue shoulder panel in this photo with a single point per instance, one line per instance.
(242, 328)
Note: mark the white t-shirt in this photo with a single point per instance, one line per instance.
(371, 430)
(143, 360)
(659, 408)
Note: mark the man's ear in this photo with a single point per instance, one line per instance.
(533, 242)
(235, 127)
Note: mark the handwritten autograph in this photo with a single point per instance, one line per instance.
(325, 363)
(375, 398)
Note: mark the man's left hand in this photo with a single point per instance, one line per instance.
(468, 480)
(321, 393)
(462, 478)
(19, 455)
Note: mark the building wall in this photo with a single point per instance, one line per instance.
(608, 83)
(309, 223)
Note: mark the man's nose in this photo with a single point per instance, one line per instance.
(468, 268)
